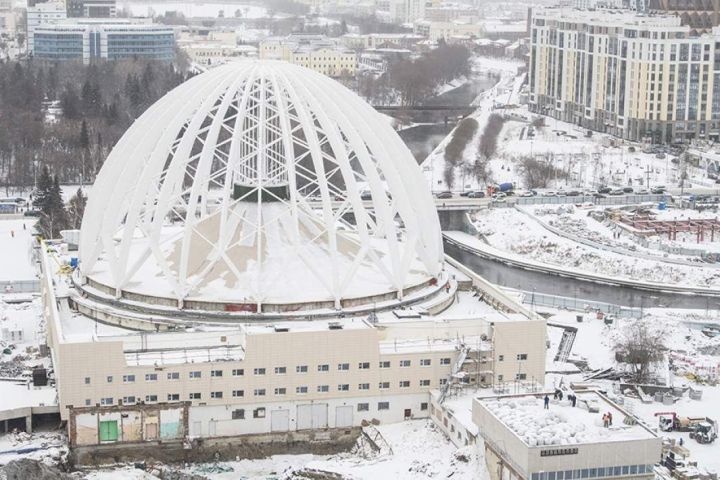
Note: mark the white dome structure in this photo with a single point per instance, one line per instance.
(260, 186)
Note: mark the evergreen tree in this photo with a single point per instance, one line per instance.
(53, 216)
(76, 209)
(84, 140)
(44, 185)
(70, 102)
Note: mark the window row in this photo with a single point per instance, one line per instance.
(598, 472)
(238, 372)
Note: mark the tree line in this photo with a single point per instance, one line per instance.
(68, 116)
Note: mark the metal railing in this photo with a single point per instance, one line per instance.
(20, 286)
(578, 304)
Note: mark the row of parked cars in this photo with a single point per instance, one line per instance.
(602, 192)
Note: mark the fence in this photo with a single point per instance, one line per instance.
(20, 286)
(609, 200)
(577, 304)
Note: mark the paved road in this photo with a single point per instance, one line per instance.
(521, 279)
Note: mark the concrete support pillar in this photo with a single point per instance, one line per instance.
(28, 424)
(5, 426)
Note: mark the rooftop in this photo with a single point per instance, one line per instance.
(563, 424)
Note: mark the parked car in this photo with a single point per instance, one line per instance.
(658, 190)
(466, 193)
(561, 193)
(599, 195)
(604, 190)
(477, 194)
(499, 197)
(524, 193)
(617, 191)
(32, 213)
(627, 189)
(550, 193)
(444, 195)
(573, 193)
(643, 191)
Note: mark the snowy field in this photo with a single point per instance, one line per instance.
(15, 245)
(514, 233)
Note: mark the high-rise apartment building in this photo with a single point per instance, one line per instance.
(43, 14)
(634, 76)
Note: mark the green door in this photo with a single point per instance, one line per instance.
(109, 431)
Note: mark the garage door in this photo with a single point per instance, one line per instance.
(312, 416)
(109, 431)
(344, 416)
(279, 420)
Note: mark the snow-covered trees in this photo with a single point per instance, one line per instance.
(639, 347)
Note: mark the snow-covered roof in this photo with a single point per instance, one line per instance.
(561, 423)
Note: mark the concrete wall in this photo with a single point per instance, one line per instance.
(513, 338)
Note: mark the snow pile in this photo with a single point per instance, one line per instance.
(536, 426)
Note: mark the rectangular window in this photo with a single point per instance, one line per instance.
(151, 377)
(109, 379)
(301, 369)
(129, 400)
(343, 366)
(501, 358)
(196, 396)
(151, 398)
(238, 414)
(259, 371)
(425, 362)
(280, 391)
(106, 401)
(173, 397)
(173, 376)
(423, 406)
(259, 392)
(443, 381)
(323, 388)
(301, 390)
(363, 407)
(444, 361)
(385, 364)
(384, 385)
(383, 405)
(425, 383)
(216, 373)
(364, 386)
(238, 393)
(364, 366)
(87, 380)
(405, 363)
(344, 387)
(238, 372)
(521, 376)
(259, 412)
(216, 394)
(196, 374)
(324, 368)
(522, 356)
(280, 370)
(128, 378)
(404, 383)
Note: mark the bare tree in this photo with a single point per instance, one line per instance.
(538, 173)
(639, 348)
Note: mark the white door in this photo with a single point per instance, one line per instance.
(344, 416)
(279, 420)
(211, 428)
(312, 416)
(319, 415)
(196, 430)
(304, 417)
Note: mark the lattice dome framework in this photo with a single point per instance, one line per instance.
(258, 184)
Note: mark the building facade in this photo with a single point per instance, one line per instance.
(315, 52)
(91, 8)
(42, 14)
(85, 41)
(636, 77)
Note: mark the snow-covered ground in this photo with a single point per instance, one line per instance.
(595, 341)
(515, 234)
(193, 9)
(15, 238)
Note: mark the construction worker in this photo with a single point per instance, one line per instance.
(547, 402)
(605, 420)
(610, 418)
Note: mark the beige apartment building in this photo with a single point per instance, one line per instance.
(640, 77)
(315, 52)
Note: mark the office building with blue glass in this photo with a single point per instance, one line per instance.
(109, 39)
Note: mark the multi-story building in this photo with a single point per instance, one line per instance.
(8, 20)
(401, 11)
(367, 41)
(316, 52)
(110, 39)
(246, 311)
(699, 15)
(634, 76)
(91, 8)
(42, 14)
(435, 31)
